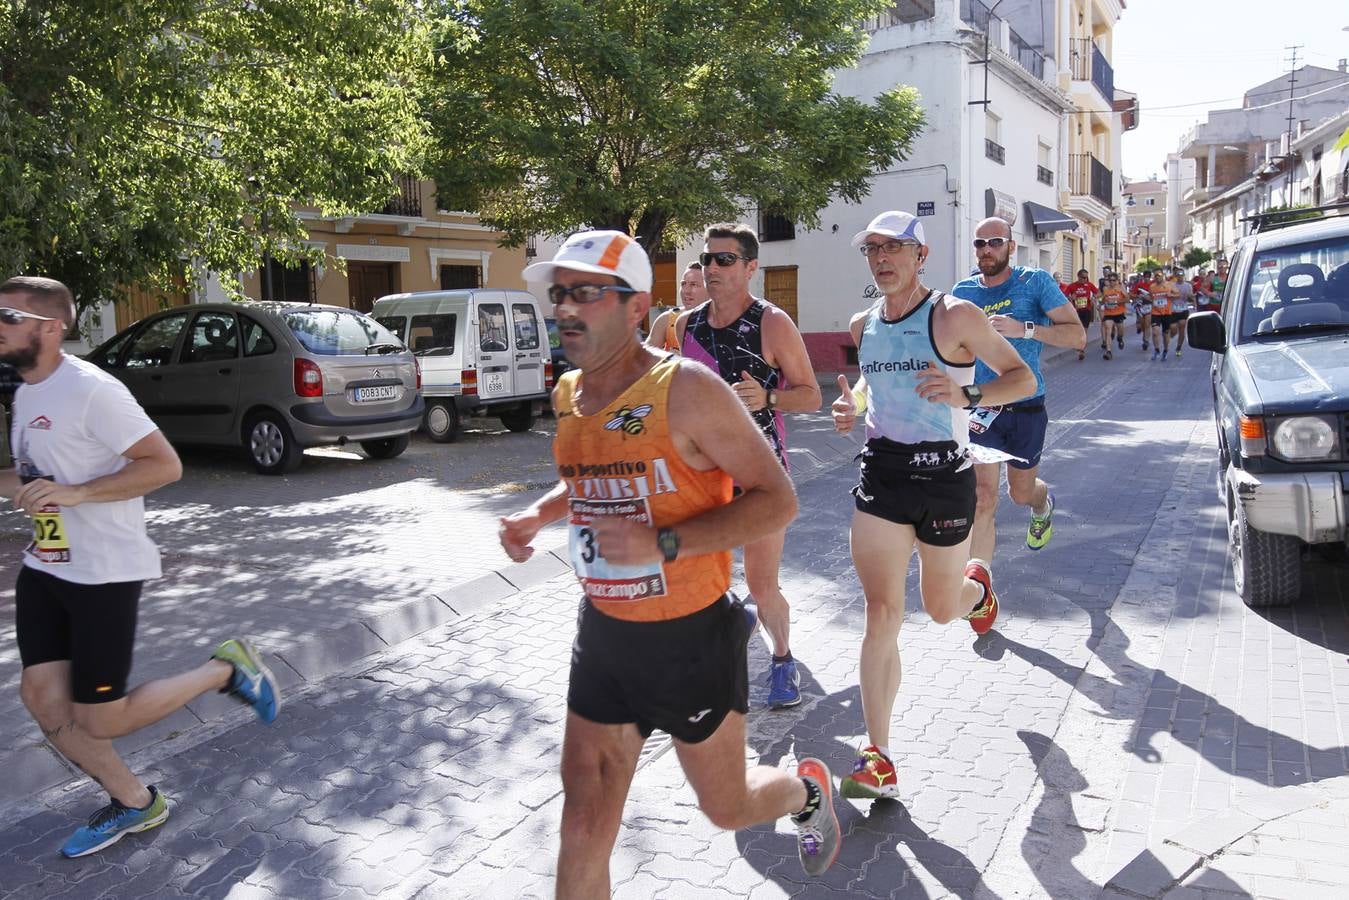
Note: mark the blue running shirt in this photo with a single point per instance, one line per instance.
(1027, 296)
(891, 356)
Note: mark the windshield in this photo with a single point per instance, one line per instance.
(332, 332)
(1298, 288)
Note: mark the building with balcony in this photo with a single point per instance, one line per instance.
(1143, 221)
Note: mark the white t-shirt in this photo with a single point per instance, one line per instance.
(73, 427)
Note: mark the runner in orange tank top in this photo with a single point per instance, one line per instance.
(647, 448)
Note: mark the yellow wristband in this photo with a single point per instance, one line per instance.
(859, 397)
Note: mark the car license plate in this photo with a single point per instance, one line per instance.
(377, 392)
(495, 384)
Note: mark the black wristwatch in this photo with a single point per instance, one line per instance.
(771, 400)
(973, 394)
(667, 539)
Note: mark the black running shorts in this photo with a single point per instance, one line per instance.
(1084, 316)
(1161, 321)
(91, 625)
(680, 675)
(1118, 318)
(938, 501)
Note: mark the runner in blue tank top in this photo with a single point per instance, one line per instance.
(917, 349)
(1026, 306)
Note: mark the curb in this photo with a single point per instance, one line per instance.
(1165, 864)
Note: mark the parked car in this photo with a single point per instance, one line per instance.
(1280, 378)
(273, 378)
(482, 352)
(560, 363)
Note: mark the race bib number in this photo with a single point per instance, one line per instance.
(50, 542)
(1145, 309)
(981, 417)
(600, 579)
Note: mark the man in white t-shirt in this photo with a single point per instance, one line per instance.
(85, 455)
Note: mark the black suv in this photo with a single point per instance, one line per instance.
(1281, 399)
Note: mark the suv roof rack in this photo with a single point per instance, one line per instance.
(1282, 218)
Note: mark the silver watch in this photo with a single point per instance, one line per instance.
(1029, 333)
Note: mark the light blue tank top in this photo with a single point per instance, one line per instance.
(891, 356)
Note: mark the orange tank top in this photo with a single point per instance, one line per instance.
(1113, 302)
(621, 461)
(1161, 299)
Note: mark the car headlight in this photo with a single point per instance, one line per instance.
(1305, 437)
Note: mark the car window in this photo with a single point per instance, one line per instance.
(526, 326)
(396, 324)
(109, 355)
(257, 342)
(433, 335)
(492, 336)
(333, 332)
(213, 337)
(554, 336)
(153, 346)
(1299, 287)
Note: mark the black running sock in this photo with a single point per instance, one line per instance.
(814, 796)
(782, 659)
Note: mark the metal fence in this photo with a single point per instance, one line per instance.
(901, 12)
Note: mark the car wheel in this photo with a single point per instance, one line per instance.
(1266, 568)
(441, 421)
(271, 445)
(386, 448)
(518, 418)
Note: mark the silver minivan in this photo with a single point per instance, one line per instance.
(273, 378)
(482, 352)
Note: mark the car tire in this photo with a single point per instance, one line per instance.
(1266, 568)
(386, 448)
(518, 418)
(441, 421)
(271, 445)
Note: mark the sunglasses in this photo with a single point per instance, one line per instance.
(995, 243)
(889, 248)
(725, 258)
(11, 316)
(583, 293)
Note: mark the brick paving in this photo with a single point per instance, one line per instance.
(1125, 694)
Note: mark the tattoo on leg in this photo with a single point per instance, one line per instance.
(53, 734)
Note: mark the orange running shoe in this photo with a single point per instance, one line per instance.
(982, 617)
(873, 777)
(817, 838)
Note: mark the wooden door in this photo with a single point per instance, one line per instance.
(779, 288)
(367, 282)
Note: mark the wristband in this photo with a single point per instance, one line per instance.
(859, 397)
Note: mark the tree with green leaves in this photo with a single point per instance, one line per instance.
(1196, 256)
(1148, 264)
(655, 117)
(138, 139)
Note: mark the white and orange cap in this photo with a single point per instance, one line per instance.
(600, 253)
(893, 224)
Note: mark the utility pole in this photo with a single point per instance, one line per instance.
(1292, 82)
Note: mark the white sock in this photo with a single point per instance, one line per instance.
(885, 751)
(1042, 511)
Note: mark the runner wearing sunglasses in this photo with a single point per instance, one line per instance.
(916, 348)
(647, 449)
(85, 455)
(758, 351)
(1026, 307)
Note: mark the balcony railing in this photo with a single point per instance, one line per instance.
(994, 151)
(901, 12)
(1088, 176)
(1044, 176)
(408, 200)
(980, 18)
(1090, 64)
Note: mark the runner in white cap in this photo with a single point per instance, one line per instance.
(916, 348)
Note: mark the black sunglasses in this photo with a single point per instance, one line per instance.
(11, 316)
(583, 293)
(995, 243)
(725, 258)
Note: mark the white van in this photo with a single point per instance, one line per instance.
(482, 352)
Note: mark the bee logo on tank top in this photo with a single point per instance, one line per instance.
(629, 420)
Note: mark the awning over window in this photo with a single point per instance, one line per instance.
(1044, 220)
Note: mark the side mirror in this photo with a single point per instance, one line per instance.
(1205, 331)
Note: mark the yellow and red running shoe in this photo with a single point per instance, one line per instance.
(873, 777)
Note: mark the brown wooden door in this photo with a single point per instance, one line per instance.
(779, 288)
(367, 282)
(140, 302)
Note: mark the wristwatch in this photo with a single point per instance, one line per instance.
(1029, 333)
(771, 399)
(667, 539)
(973, 394)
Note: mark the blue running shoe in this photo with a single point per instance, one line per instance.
(109, 824)
(784, 685)
(253, 683)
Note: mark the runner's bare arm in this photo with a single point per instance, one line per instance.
(154, 463)
(518, 529)
(785, 349)
(658, 329)
(711, 429)
(1065, 330)
(1015, 380)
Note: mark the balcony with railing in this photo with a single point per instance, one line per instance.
(995, 151)
(408, 200)
(1089, 177)
(901, 12)
(1090, 64)
(981, 18)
